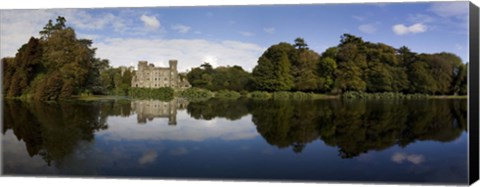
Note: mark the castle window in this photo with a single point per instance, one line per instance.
(165, 78)
(155, 85)
(165, 85)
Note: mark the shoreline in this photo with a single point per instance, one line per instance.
(248, 95)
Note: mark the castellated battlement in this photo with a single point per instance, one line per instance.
(149, 76)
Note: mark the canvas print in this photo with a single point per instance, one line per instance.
(373, 92)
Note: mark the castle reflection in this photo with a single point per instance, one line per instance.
(147, 110)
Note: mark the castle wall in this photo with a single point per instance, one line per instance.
(149, 76)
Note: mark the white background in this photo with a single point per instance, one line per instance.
(73, 182)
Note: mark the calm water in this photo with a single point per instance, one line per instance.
(325, 140)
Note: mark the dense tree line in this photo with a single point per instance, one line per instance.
(56, 65)
(352, 65)
(219, 78)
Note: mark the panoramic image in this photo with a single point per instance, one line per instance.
(367, 92)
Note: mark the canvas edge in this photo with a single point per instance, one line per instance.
(473, 94)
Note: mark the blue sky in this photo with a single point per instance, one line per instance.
(238, 35)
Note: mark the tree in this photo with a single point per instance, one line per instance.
(273, 71)
(27, 64)
(405, 56)
(58, 65)
(442, 67)
(351, 63)
(421, 81)
(459, 85)
(8, 67)
(300, 43)
(326, 71)
(304, 67)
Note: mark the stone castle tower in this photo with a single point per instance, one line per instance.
(149, 76)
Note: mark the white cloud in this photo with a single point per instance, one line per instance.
(450, 9)
(359, 18)
(367, 28)
(181, 28)
(187, 129)
(412, 158)
(17, 26)
(459, 47)
(83, 20)
(89, 36)
(270, 30)
(148, 157)
(420, 18)
(401, 29)
(247, 34)
(150, 21)
(189, 53)
(451, 16)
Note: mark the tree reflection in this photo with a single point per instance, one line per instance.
(357, 127)
(53, 130)
(229, 109)
(354, 126)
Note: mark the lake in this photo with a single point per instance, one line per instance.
(414, 141)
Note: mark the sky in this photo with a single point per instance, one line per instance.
(238, 35)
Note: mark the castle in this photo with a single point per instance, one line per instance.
(149, 76)
(147, 110)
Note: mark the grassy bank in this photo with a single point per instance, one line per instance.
(448, 97)
(197, 94)
(99, 97)
(396, 95)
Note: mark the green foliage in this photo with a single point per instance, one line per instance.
(221, 78)
(196, 94)
(227, 94)
(273, 72)
(459, 85)
(8, 67)
(354, 65)
(421, 81)
(326, 71)
(260, 95)
(295, 96)
(164, 94)
(281, 95)
(116, 81)
(304, 70)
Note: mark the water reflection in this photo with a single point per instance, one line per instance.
(55, 130)
(355, 127)
(150, 109)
